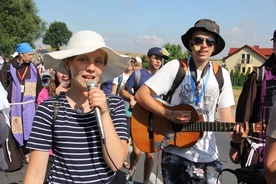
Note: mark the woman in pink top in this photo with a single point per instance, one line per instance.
(53, 84)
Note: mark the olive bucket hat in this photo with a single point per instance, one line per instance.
(205, 25)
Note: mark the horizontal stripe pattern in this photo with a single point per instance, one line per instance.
(78, 152)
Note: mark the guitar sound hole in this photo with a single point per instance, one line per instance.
(176, 127)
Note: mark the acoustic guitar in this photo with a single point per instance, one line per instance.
(151, 132)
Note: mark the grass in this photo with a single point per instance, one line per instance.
(237, 87)
(236, 93)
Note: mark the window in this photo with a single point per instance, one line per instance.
(247, 58)
(243, 58)
(243, 69)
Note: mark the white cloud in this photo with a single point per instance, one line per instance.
(150, 40)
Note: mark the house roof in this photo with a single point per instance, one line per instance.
(263, 52)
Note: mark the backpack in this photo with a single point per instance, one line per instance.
(253, 174)
(13, 154)
(183, 67)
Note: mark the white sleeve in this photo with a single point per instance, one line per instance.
(115, 80)
(162, 80)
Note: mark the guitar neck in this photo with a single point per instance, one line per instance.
(199, 126)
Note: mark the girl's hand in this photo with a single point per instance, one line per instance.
(97, 98)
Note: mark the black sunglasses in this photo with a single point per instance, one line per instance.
(209, 41)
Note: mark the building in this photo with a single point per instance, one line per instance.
(246, 59)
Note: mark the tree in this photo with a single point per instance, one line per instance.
(175, 51)
(57, 35)
(19, 22)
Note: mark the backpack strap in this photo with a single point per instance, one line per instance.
(56, 105)
(137, 78)
(183, 67)
(218, 74)
(9, 78)
(120, 79)
(260, 75)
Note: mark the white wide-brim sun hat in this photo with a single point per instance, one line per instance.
(84, 42)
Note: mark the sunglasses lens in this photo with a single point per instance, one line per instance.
(198, 40)
(209, 41)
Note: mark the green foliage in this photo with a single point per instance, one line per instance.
(57, 35)
(19, 22)
(175, 52)
(238, 78)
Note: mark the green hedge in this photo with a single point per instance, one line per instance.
(238, 78)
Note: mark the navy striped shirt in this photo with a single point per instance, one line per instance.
(78, 156)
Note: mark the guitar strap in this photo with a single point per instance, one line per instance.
(137, 80)
(150, 125)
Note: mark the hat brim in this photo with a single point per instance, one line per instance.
(115, 66)
(162, 56)
(220, 43)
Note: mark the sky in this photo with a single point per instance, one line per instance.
(138, 25)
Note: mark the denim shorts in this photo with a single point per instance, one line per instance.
(176, 169)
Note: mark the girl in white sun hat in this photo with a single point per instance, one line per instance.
(81, 153)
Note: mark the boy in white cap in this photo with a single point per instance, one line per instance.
(155, 58)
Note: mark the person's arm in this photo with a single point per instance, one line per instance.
(270, 147)
(125, 93)
(36, 169)
(270, 160)
(144, 97)
(244, 112)
(4, 129)
(127, 96)
(117, 148)
(114, 89)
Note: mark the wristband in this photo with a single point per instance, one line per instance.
(235, 145)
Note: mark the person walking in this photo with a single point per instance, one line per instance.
(89, 136)
(199, 163)
(155, 57)
(253, 107)
(20, 78)
(270, 148)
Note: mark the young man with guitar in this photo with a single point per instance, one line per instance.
(155, 57)
(192, 107)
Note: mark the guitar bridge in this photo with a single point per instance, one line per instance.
(168, 136)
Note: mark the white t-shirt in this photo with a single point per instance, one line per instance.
(116, 80)
(205, 150)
